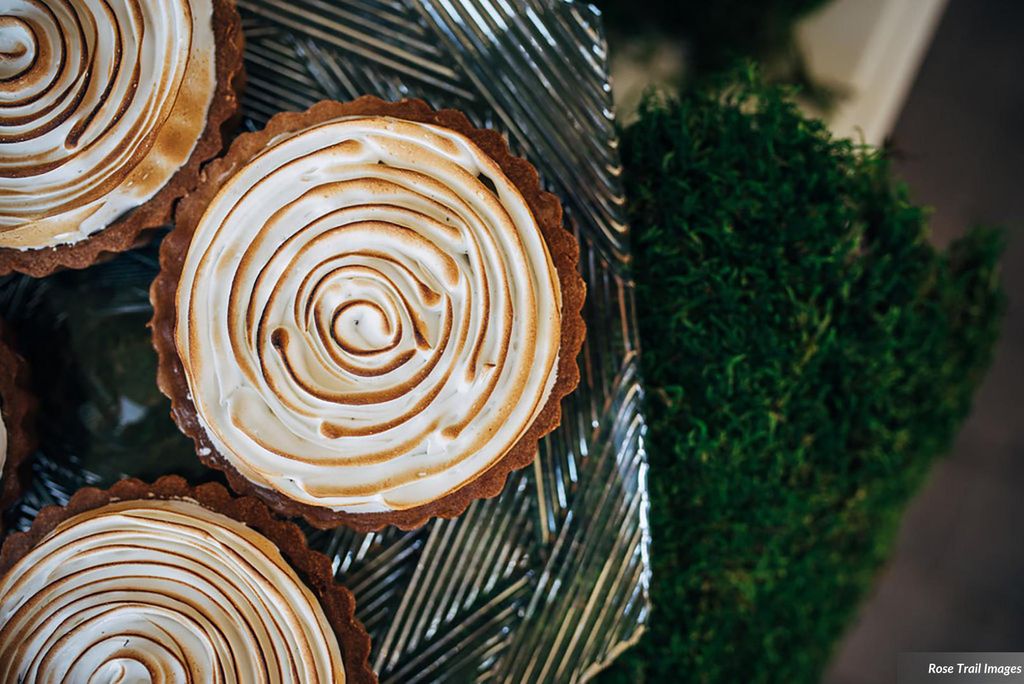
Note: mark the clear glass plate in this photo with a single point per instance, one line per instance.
(547, 582)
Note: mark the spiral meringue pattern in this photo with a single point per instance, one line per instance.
(161, 591)
(101, 102)
(368, 315)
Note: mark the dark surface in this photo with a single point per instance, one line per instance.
(956, 580)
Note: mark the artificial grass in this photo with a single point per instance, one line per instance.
(807, 356)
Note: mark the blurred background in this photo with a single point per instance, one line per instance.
(956, 581)
(938, 84)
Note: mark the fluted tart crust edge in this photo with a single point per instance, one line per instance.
(312, 566)
(137, 226)
(19, 413)
(544, 206)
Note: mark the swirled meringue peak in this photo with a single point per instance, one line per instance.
(101, 102)
(368, 315)
(161, 591)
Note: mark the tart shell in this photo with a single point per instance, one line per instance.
(561, 244)
(312, 567)
(19, 412)
(137, 226)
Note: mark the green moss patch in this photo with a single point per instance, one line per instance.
(808, 354)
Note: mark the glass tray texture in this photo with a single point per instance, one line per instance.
(548, 581)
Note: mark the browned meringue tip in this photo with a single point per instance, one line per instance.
(561, 244)
(138, 226)
(19, 406)
(313, 568)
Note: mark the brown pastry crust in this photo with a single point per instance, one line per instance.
(136, 227)
(19, 411)
(564, 253)
(313, 567)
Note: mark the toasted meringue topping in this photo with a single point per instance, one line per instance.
(161, 591)
(101, 102)
(3, 443)
(368, 315)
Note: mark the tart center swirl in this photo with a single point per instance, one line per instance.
(161, 591)
(368, 316)
(101, 102)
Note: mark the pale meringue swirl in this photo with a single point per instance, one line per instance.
(101, 103)
(3, 443)
(164, 592)
(368, 315)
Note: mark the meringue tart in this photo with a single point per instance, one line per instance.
(107, 110)
(368, 314)
(171, 583)
(17, 417)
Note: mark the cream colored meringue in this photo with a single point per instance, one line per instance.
(161, 591)
(100, 104)
(3, 444)
(366, 324)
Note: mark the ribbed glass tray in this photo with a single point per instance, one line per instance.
(545, 583)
